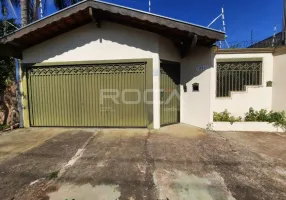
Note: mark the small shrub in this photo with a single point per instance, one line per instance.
(53, 175)
(225, 116)
(251, 115)
(277, 116)
(2, 127)
(262, 116)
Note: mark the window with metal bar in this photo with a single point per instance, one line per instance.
(235, 76)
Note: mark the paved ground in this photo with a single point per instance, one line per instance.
(177, 162)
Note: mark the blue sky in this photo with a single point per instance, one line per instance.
(242, 16)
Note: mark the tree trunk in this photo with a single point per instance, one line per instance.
(4, 107)
(24, 12)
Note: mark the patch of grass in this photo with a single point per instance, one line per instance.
(2, 127)
(53, 175)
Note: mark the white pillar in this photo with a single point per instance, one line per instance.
(156, 92)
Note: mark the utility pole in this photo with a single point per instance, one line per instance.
(284, 24)
(274, 37)
(251, 37)
(41, 9)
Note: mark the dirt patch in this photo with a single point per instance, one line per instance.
(18, 141)
(182, 131)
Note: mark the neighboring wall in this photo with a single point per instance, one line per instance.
(279, 81)
(258, 97)
(197, 67)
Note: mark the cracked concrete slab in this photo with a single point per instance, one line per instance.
(177, 162)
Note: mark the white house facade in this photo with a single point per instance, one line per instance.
(97, 64)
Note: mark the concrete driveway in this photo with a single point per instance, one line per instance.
(176, 162)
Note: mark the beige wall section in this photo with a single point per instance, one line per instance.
(279, 82)
(258, 97)
(111, 41)
(197, 67)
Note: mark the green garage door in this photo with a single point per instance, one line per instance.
(101, 95)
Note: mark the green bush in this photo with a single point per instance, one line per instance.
(277, 118)
(225, 116)
(2, 127)
(257, 116)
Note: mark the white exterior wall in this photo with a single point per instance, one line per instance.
(197, 67)
(258, 97)
(279, 82)
(115, 41)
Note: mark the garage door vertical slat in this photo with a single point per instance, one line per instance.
(143, 98)
(135, 108)
(59, 98)
(84, 105)
(65, 104)
(79, 91)
(31, 94)
(79, 105)
(36, 104)
(46, 98)
(93, 100)
(53, 86)
(96, 100)
(116, 106)
(50, 100)
(56, 92)
(129, 115)
(40, 113)
(90, 78)
(47, 94)
(90, 85)
(110, 81)
(120, 108)
(104, 104)
(88, 108)
(70, 100)
(73, 99)
(88, 99)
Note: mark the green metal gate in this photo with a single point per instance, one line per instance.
(170, 93)
(99, 95)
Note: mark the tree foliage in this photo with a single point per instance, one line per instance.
(32, 13)
(7, 72)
